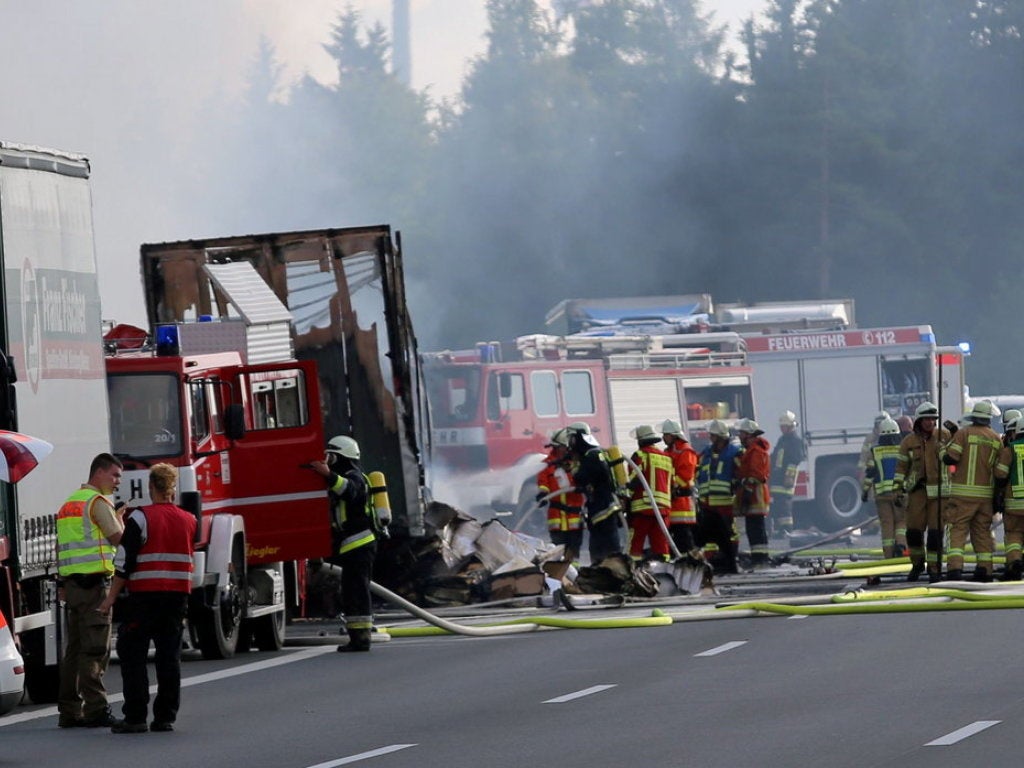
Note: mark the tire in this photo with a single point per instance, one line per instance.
(838, 492)
(268, 631)
(218, 626)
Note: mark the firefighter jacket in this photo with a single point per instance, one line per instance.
(882, 470)
(81, 546)
(353, 522)
(594, 477)
(752, 473)
(1010, 467)
(975, 450)
(684, 465)
(716, 472)
(786, 458)
(918, 466)
(155, 554)
(657, 469)
(565, 510)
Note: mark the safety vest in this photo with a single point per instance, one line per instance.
(976, 452)
(684, 464)
(81, 546)
(715, 475)
(164, 561)
(885, 458)
(657, 469)
(565, 511)
(361, 537)
(1013, 468)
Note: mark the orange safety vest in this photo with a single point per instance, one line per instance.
(565, 510)
(684, 462)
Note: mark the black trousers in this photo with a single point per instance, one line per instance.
(605, 539)
(156, 617)
(356, 575)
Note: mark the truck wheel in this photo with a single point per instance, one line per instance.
(839, 503)
(219, 625)
(268, 631)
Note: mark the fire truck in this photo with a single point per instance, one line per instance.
(805, 357)
(494, 408)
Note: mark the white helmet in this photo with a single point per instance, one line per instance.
(879, 418)
(344, 446)
(926, 410)
(718, 428)
(787, 419)
(560, 437)
(672, 427)
(644, 432)
(750, 427)
(984, 411)
(1010, 414)
(889, 427)
(580, 426)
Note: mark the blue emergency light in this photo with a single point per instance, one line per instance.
(167, 341)
(965, 347)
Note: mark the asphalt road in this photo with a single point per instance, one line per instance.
(903, 690)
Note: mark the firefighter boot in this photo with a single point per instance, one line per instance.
(981, 574)
(934, 575)
(916, 569)
(1014, 571)
(358, 640)
(955, 574)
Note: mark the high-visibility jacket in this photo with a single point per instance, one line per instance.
(684, 465)
(81, 546)
(752, 474)
(565, 511)
(353, 520)
(882, 471)
(716, 473)
(1011, 467)
(657, 469)
(918, 465)
(975, 449)
(164, 561)
(786, 457)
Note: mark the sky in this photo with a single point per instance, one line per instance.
(120, 81)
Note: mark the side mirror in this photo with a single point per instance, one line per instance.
(234, 422)
(505, 385)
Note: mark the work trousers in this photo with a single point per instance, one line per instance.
(782, 511)
(356, 600)
(571, 540)
(156, 617)
(1013, 530)
(683, 536)
(81, 692)
(970, 516)
(757, 535)
(604, 539)
(893, 524)
(923, 515)
(643, 528)
(715, 526)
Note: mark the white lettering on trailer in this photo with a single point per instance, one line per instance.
(64, 307)
(803, 341)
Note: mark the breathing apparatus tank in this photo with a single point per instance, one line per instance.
(380, 502)
(617, 462)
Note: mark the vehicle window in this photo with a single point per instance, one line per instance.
(199, 413)
(578, 393)
(505, 392)
(544, 385)
(278, 399)
(453, 394)
(145, 415)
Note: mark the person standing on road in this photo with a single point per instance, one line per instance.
(154, 564)
(753, 498)
(786, 458)
(973, 453)
(716, 474)
(880, 476)
(917, 483)
(355, 547)
(655, 468)
(870, 441)
(594, 479)
(683, 517)
(1009, 498)
(88, 529)
(565, 511)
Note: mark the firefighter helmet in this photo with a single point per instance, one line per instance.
(644, 434)
(560, 438)
(718, 428)
(1011, 425)
(984, 411)
(672, 427)
(1010, 414)
(880, 417)
(343, 445)
(750, 427)
(926, 410)
(580, 426)
(889, 427)
(788, 419)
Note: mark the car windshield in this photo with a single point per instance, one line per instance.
(145, 415)
(453, 393)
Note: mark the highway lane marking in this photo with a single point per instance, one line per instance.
(721, 648)
(578, 694)
(186, 682)
(962, 733)
(363, 756)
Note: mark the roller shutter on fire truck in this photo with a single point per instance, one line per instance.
(641, 401)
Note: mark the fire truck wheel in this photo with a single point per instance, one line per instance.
(268, 631)
(840, 504)
(219, 624)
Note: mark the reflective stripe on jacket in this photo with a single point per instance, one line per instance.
(976, 450)
(81, 545)
(354, 522)
(684, 464)
(715, 475)
(164, 561)
(884, 459)
(657, 469)
(565, 511)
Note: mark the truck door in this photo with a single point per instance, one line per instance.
(284, 504)
(510, 428)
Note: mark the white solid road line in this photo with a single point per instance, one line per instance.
(362, 756)
(256, 666)
(721, 648)
(962, 733)
(578, 694)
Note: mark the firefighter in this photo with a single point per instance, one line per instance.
(786, 458)
(355, 536)
(870, 440)
(974, 452)
(683, 517)
(657, 469)
(716, 472)
(753, 497)
(916, 484)
(880, 476)
(1010, 418)
(565, 511)
(594, 479)
(1009, 499)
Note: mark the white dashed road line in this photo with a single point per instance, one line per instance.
(962, 733)
(722, 648)
(362, 756)
(578, 694)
